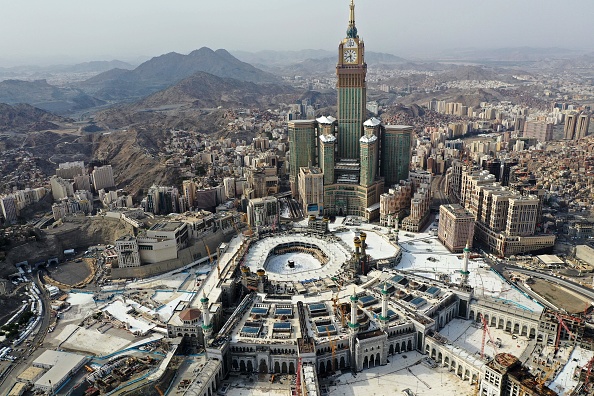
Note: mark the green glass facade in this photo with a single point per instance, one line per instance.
(302, 144)
(395, 157)
(351, 115)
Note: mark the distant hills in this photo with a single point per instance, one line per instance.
(206, 90)
(187, 98)
(45, 96)
(24, 117)
(165, 70)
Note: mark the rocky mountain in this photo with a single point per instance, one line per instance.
(191, 98)
(24, 118)
(205, 90)
(45, 96)
(163, 71)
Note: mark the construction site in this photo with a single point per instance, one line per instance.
(348, 310)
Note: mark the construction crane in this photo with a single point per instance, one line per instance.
(485, 332)
(562, 323)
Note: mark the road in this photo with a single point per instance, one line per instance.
(575, 287)
(25, 358)
(440, 197)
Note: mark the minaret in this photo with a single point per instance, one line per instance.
(465, 272)
(206, 325)
(354, 324)
(384, 315)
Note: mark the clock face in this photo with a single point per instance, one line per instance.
(350, 43)
(350, 56)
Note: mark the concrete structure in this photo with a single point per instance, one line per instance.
(539, 130)
(8, 209)
(456, 227)
(127, 250)
(69, 170)
(60, 367)
(505, 376)
(61, 188)
(263, 212)
(311, 190)
(103, 177)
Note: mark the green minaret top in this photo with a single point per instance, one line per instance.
(467, 248)
(385, 289)
(352, 30)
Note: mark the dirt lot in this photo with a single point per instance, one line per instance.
(70, 273)
(560, 296)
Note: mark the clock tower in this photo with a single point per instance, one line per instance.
(352, 93)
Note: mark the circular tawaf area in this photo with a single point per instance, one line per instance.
(312, 258)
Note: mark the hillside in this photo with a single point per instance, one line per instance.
(185, 103)
(24, 118)
(45, 96)
(163, 71)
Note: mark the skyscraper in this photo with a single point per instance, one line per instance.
(348, 148)
(352, 91)
(396, 142)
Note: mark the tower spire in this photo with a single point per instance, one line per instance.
(352, 30)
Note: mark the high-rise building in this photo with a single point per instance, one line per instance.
(539, 130)
(348, 148)
(61, 188)
(8, 208)
(311, 190)
(103, 177)
(68, 170)
(302, 146)
(369, 152)
(582, 125)
(570, 124)
(456, 227)
(352, 91)
(262, 212)
(395, 161)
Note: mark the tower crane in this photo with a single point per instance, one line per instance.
(485, 332)
(562, 323)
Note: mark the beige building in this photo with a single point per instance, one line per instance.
(263, 212)
(456, 227)
(395, 203)
(127, 250)
(103, 177)
(61, 188)
(311, 190)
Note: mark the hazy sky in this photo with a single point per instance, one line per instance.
(42, 31)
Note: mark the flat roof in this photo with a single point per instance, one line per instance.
(167, 226)
(31, 373)
(550, 259)
(63, 363)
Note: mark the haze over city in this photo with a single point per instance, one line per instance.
(282, 197)
(42, 32)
